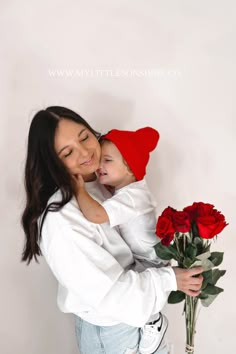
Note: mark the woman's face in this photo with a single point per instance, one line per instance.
(77, 148)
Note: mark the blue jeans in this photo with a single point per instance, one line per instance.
(117, 339)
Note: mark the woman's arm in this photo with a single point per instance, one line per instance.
(91, 209)
(98, 282)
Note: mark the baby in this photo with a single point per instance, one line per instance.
(124, 158)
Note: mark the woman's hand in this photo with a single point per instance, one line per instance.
(189, 280)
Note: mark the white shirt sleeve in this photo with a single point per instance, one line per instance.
(120, 209)
(99, 282)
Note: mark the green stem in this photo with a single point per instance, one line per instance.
(190, 320)
(177, 243)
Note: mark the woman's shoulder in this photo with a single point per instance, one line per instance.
(70, 214)
(54, 219)
(56, 197)
(62, 225)
(65, 212)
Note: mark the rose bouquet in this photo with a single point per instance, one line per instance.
(186, 237)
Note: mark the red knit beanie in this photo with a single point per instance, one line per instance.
(135, 147)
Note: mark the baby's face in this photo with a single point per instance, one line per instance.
(112, 170)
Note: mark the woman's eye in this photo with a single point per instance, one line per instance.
(68, 154)
(85, 138)
(107, 160)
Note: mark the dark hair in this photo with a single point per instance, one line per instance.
(44, 174)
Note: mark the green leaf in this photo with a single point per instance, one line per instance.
(199, 244)
(207, 278)
(207, 249)
(187, 262)
(212, 290)
(198, 241)
(216, 258)
(191, 251)
(163, 252)
(207, 301)
(206, 264)
(173, 250)
(166, 252)
(176, 297)
(211, 277)
(204, 284)
(202, 296)
(203, 256)
(216, 274)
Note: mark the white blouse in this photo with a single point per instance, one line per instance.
(98, 279)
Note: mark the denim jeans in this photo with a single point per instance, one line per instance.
(117, 339)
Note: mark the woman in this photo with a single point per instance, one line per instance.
(99, 282)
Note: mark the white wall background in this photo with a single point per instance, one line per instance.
(187, 92)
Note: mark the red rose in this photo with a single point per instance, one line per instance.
(218, 215)
(210, 221)
(210, 226)
(181, 221)
(168, 212)
(167, 240)
(205, 209)
(165, 228)
(192, 211)
(198, 209)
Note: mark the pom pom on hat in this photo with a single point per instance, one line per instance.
(135, 147)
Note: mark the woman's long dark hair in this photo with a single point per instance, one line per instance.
(44, 174)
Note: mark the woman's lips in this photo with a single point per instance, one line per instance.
(88, 162)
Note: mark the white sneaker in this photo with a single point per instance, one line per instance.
(152, 335)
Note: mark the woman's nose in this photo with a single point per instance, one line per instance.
(82, 151)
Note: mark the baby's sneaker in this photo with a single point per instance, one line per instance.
(152, 334)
